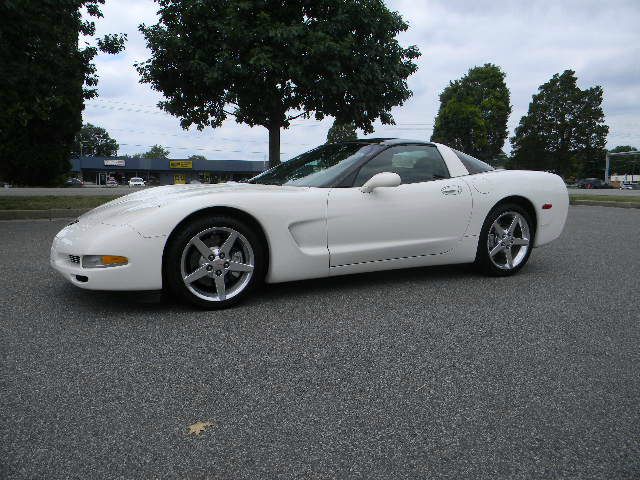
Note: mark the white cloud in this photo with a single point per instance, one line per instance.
(530, 41)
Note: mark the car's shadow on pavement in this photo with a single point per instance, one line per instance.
(164, 303)
(364, 280)
(161, 302)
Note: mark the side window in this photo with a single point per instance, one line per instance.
(414, 164)
(472, 164)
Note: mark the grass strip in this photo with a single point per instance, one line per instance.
(52, 201)
(607, 198)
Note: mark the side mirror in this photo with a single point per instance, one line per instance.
(382, 179)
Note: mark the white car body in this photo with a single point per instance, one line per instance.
(312, 232)
(136, 182)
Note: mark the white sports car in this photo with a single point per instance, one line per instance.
(342, 208)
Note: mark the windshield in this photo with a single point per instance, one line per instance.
(316, 168)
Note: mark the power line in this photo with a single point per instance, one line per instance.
(153, 109)
(198, 135)
(203, 149)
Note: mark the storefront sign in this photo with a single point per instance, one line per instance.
(114, 163)
(180, 164)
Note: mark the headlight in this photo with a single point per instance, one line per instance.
(101, 261)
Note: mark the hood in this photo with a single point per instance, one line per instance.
(122, 209)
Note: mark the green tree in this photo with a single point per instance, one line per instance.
(157, 151)
(268, 62)
(341, 132)
(623, 149)
(563, 131)
(197, 157)
(473, 113)
(95, 142)
(47, 73)
(500, 161)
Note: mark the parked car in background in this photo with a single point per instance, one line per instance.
(111, 183)
(73, 182)
(136, 182)
(590, 183)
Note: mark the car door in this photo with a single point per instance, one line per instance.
(426, 215)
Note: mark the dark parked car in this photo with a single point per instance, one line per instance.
(592, 183)
(73, 182)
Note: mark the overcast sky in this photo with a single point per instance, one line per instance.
(530, 40)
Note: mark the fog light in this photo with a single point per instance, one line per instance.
(101, 261)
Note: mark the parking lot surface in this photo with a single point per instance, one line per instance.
(424, 373)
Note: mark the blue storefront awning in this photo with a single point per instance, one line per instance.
(166, 165)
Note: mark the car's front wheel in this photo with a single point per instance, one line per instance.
(505, 241)
(214, 262)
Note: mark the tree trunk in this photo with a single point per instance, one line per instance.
(274, 145)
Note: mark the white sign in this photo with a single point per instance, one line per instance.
(114, 163)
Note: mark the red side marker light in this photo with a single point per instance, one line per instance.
(546, 206)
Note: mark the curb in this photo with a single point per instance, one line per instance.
(39, 214)
(601, 203)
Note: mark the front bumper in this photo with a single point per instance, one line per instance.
(143, 272)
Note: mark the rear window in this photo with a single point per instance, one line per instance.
(472, 164)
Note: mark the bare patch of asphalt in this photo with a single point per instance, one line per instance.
(424, 373)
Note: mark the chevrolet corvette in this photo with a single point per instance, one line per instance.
(342, 208)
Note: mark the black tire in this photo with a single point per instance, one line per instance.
(177, 252)
(483, 259)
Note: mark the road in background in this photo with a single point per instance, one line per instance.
(83, 191)
(425, 373)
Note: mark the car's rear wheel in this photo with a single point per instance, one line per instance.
(214, 262)
(505, 241)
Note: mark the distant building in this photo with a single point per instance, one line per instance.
(161, 171)
(627, 178)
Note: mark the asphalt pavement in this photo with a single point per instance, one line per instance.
(435, 373)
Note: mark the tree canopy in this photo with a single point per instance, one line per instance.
(197, 157)
(563, 131)
(623, 149)
(268, 62)
(46, 76)
(157, 151)
(473, 113)
(341, 132)
(95, 142)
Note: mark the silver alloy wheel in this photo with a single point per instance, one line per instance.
(508, 241)
(217, 264)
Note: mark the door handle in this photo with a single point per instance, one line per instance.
(451, 190)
